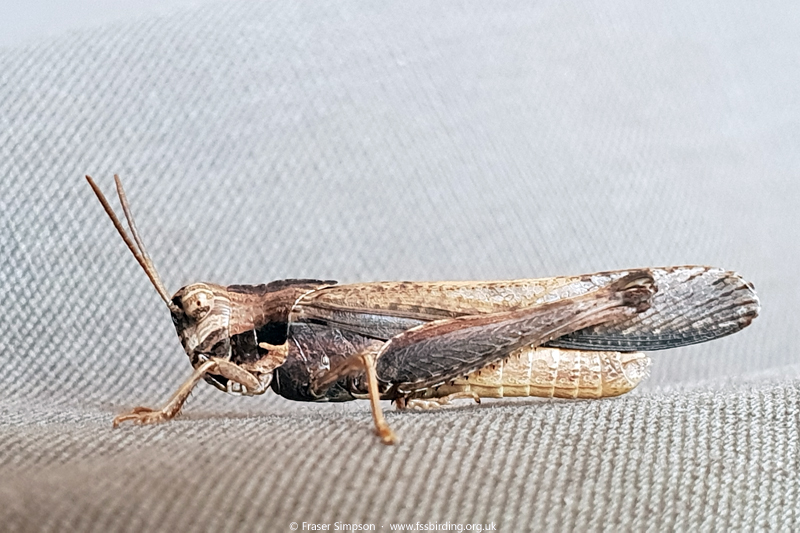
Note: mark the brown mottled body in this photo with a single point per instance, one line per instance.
(415, 351)
(313, 340)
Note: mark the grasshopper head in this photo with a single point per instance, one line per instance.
(201, 313)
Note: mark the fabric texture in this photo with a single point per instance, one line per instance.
(364, 141)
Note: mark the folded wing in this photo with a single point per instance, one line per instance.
(692, 304)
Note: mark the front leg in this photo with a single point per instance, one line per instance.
(221, 367)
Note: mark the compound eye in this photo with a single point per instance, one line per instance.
(197, 304)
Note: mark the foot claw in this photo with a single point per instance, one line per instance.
(387, 436)
(141, 416)
(418, 404)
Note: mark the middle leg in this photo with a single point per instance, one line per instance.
(357, 364)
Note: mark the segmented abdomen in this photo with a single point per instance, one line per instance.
(552, 372)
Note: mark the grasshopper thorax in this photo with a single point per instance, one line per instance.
(244, 324)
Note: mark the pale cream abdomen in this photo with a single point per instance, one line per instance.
(553, 372)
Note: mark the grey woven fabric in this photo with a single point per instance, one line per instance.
(369, 141)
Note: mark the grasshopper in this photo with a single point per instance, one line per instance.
(423, 344)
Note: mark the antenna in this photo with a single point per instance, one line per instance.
(134, 245)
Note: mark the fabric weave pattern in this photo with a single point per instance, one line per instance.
(425, 141)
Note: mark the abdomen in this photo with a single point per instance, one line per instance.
(552, 372)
